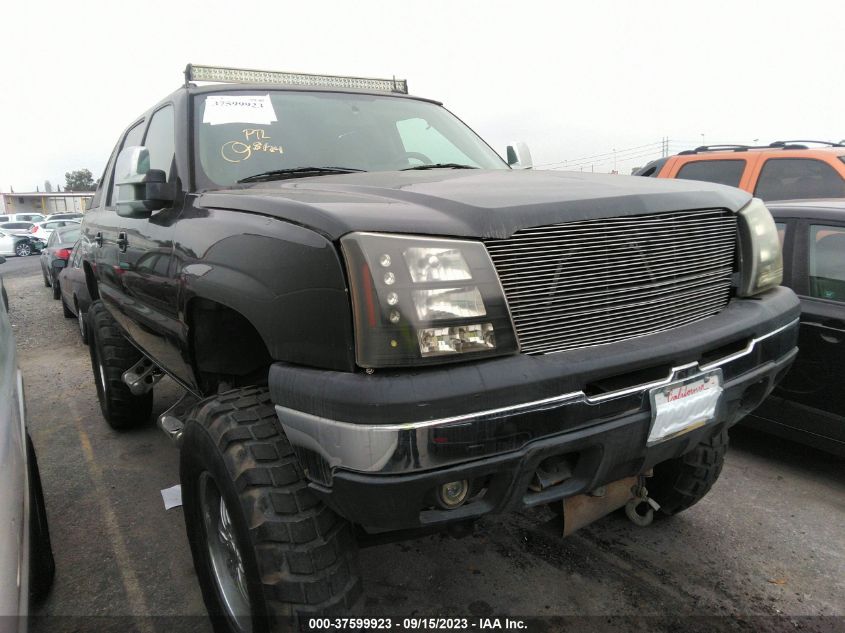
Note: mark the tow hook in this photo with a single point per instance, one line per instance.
(640, 510)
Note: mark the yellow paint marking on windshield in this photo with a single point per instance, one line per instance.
(255, 140)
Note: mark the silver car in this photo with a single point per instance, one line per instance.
(26, 557)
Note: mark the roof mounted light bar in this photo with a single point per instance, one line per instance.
(247, 76)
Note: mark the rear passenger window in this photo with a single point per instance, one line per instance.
(798, 179)
(723, 172)
(827, 262)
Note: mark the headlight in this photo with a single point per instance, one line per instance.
(419, 300)
(761, 261)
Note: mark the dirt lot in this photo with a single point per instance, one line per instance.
(766, 547)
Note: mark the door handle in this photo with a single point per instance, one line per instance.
(122, 242)
(98, 239)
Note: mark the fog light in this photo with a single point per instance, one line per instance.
(453, 494)
(457, 339)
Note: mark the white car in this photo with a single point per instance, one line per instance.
(20, 245)
(26, 558)
(69, 215)
(43, 230)
(22, 217)
(16, 228)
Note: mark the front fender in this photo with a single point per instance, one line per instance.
(287, 281)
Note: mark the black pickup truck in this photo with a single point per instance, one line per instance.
(382, 327)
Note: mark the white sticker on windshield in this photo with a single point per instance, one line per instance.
(239, 109)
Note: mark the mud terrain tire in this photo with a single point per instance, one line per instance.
(111, 355)
(682, 482)
(294, 557)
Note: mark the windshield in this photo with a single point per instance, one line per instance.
(243, 133)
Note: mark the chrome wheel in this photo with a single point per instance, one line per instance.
(23, 250)
(102, 374)
(226, 561)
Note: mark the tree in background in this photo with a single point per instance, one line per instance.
(48, 187)
(79, 180)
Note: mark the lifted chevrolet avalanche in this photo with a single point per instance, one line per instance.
(381, 327)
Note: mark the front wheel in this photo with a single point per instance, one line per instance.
(682, 482)
(23, 250)
(267, 551)
(111, 355)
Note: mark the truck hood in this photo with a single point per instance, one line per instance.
(465, 203)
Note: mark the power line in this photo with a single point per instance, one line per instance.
(586, 158)
(611, 159)
(601, 161)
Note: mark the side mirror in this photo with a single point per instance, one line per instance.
(519, 156)
(140, 190)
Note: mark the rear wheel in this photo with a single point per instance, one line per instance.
(42, 563)
(266, 550)
(67, 311)
(111, 355)
(57, 291)
(82, 320)
(682, 482)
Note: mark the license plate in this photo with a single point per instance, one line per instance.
(684, 405)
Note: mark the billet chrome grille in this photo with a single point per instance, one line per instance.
(594, 282)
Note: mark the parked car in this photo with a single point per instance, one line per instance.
(21, 217)
(809, 404)
(74, 289)
(43, 230)
(63, 216)
(20, 245)
(784, 170)
(26, 557)
(56, 255)
(16, 228)
(379, 323)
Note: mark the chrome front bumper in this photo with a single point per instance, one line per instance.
(324, 445)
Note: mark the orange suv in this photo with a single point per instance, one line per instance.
(785, 170)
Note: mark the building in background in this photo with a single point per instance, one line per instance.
(46, 203)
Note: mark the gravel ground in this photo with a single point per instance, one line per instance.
(766, 547)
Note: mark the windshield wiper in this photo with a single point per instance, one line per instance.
(440, 166)
(278, 174)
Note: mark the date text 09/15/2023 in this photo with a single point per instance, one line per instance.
(413, 624)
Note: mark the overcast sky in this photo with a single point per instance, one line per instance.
(573, 79)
